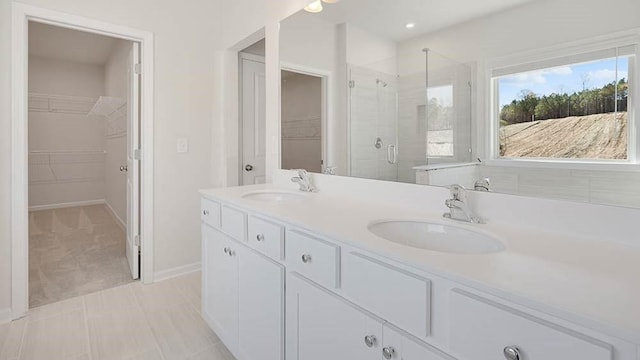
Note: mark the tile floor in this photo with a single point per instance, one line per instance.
(133, 321)
(74, 251)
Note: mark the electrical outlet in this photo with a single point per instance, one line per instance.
(182, 145)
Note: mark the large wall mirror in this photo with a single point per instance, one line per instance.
(466, 92)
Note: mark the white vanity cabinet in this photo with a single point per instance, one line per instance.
(220, 284)
(273, 291)
(243, 297)
(321, 325)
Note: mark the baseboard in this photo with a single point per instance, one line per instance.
(121, 223)
(67, 204)
(6, 316)
(176, 271)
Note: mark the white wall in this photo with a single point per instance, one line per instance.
(185, 90)
(5, 161)
(310, 42)
(116, 84)
(76, 176)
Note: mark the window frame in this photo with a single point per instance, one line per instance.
(554, 56)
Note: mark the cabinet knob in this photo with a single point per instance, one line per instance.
(259, 237)
(388, 352)
(511, 353)
(205, 212)
(370, 340)
(306, 258)
(231, 252)
(226, 250)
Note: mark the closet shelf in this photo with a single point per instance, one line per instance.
(63, 104)
(109, 107)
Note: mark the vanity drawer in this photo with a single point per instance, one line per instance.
(400, 297)
(481, 329)
(266, 237)
(210, 212)
(313, 258)
(234, 223)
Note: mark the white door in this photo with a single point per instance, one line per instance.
(261, 307)
(321, 326)
(253, 120)
(133, 164)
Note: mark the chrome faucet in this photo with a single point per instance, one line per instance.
(303, 180)
(458, 207)
(482, 184)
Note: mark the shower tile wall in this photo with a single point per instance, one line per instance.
(373, 115)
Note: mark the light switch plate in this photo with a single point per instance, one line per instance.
(182, 145)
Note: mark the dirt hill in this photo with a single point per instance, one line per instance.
(601, 136)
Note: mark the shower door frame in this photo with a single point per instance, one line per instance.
(21, 15)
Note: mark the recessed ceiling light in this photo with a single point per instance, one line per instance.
(410, 25)
(330, 1)
(314, 7)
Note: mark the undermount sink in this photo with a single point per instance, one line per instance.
(273, 196)
(436, 237)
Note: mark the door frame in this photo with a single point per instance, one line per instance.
(21, 15)
(242, 56)
(327, 106)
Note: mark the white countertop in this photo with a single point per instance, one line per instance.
(595, 284)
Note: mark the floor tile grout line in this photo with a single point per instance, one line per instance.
(86, 325)
(146, 321)
(22, 338)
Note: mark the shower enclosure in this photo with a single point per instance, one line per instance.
(407, 114)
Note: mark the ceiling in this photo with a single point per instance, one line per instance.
(387, 18)
(72, 45)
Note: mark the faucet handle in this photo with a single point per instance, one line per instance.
(302, 173)
(457, 191)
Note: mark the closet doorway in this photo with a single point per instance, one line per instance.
(302, 119)
(83, 168)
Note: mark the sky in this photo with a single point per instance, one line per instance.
(563, 79)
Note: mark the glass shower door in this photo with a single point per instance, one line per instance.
(373, 147)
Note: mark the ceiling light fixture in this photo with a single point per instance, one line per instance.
(316, 6)
(410, 25)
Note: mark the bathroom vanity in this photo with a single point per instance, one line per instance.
(304, 276)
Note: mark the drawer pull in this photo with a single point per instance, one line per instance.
(388, 352)
(306, 258)
(205, 212)
(260, 237)
(370, 340)
(511, 353)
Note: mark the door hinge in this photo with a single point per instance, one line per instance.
(352, 84)
(137, 154)
(136, 240)
(137, 69)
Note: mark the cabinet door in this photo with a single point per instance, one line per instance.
(401, 346)
(322, 326)
(261, 307)
(220, 298)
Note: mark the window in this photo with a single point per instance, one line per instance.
(439, 113)
(573, 108)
